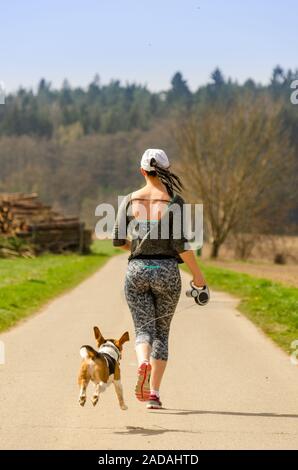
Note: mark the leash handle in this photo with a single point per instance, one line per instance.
(201, 295)
(197, 287)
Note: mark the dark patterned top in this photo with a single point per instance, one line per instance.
(163, 238)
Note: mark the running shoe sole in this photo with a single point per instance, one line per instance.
(142, 390)
(154, 406)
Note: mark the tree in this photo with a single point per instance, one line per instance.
(278, 76)
(43, 87)
(179, 92)
(218, 77)
(250, 84)
(94, 88)
(65, 97)
(237, 161)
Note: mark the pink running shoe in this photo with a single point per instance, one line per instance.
(142, 390)
(154, 402)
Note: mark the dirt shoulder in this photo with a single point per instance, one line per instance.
(285, 274)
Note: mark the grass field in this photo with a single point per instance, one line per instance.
(27, 284)
(270, 305)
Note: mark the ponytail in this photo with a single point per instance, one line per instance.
(171, 181)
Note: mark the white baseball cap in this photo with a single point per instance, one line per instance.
(160, 157)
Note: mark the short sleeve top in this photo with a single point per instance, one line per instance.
(162, 238)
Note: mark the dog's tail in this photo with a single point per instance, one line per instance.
(88, 352)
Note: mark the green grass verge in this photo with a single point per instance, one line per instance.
(270, 305)
(27, 284)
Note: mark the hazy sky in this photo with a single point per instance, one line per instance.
(144, 40)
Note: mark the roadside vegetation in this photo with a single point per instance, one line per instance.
(270, 305)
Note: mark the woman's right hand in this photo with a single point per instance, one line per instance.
(199, 280)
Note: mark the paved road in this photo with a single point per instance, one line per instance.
(226, 387)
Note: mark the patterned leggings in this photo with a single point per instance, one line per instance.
(152, 289)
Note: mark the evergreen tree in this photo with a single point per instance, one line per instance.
(179, 93)
(217, 77)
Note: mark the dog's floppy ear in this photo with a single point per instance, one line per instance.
(98, 336)
(124, 338)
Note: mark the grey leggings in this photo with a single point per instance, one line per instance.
(152, 289)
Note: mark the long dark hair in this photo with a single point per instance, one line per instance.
(171, 181)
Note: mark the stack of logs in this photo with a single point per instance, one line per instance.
(25, 216)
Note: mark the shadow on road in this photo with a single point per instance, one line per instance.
(151, 432)
(228, 413)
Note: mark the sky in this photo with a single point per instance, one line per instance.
(144, 41)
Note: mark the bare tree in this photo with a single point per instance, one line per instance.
(236, 160)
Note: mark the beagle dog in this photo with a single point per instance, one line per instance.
(101, 367)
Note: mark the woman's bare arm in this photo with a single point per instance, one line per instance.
(189, 258)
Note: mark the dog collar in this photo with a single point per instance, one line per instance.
(110, 349)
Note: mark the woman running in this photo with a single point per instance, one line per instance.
(147, 225)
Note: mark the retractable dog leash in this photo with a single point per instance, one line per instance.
(200, 294)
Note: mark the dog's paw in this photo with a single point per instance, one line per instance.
(94, 400)
(123, 407)
(82, 401)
